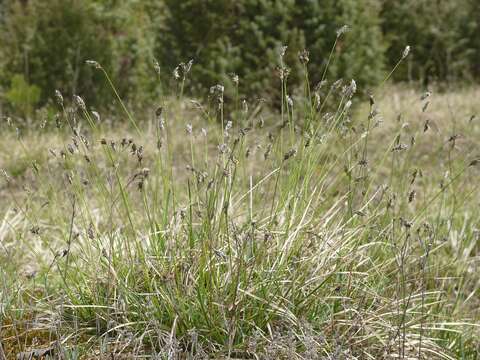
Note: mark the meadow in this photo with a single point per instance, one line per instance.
(330, 224)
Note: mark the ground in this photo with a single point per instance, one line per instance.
(320, 232)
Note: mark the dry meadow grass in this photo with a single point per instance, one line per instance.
(358, 239)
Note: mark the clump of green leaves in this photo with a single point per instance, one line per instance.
(22, 96)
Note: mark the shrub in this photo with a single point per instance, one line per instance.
(22, 96)
(48, 42)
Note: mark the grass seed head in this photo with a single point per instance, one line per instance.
(235, 79)
(304, 56)
(245, 106)
(93, 64)
(344, 29)
(406, 51)
(176, 73)
(156, 66)
(96, 116)
(79, 102)
(411, 196)
(289, 154)
(59, 97)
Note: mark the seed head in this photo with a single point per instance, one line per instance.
(217, 92)
(158, 115)
(348, 105)
(96, 115)
(176, 73)
(320, 85)
(406, 51)
(352, 89)
(425, 106)
(186, 67)
(156, 66)
(217, 89)
(59, 97)
(318, 99)
(267, 152)
(342, 30)
(222, 148)
(283, 72)
(71, 149)
(412, 196)
(91, 232)
(79, 102)
(245, 106)
(474, 162)
(337, 84)
(235, 79)
(415, 174)
(261, 123)
(400, 147)
(407, 224)
(289, 101)
(425, 95)
(145, 172)
(93, 63)
(289, 154)
(373, 114)
(6, 176)
(304, 56)
(426, 126)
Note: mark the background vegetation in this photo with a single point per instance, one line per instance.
(44, 44)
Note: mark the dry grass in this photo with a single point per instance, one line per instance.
(361, 243)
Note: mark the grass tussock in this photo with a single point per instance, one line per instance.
(339, 227)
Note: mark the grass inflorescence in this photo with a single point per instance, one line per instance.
(331, 229)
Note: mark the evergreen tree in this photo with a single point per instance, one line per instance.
(48, 42)
(433, 30)
(358, 53)
(244, 37)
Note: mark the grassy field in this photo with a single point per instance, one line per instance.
(336, 227)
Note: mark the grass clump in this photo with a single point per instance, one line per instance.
(224, 231)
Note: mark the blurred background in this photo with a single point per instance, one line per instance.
(44, 45)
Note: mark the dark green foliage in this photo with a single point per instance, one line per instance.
(244, 37)
(436, 31)
(263, 27)
(48, 41)
(225, 37)
(471, 30)
(359, 52)
(22, 96)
